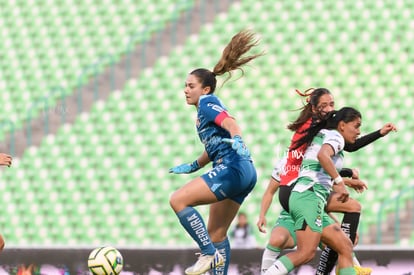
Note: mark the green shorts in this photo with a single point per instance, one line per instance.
(285, 220)
(309, 206)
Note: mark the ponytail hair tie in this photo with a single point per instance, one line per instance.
(308, 92)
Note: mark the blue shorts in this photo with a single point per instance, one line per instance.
(232, 180)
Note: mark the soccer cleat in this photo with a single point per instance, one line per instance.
(359, 270)
(205, 263)
(362, 270)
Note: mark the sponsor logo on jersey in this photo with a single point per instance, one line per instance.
(318, 221)
(215, 107)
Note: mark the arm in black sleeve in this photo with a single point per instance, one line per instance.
(362, 141)
(346, 173)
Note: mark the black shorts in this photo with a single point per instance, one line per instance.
(284, 194)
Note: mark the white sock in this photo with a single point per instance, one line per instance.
(355, 260)
(277, 269)
(268, 259)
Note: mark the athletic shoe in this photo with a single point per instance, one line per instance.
(362, 270)
(359, 270)
(205, 263)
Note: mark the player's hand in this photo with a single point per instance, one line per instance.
(261, 224)
(356, 184)
(238, 145)
(5, 159)
(355, 173)
(340, 189)
(185, 168)
(387, 128)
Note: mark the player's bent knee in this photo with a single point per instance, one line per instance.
(281, 238)
(356, 206)
(279, 241)
(344, 246)
(178, 201)
(174, 202)
(352, 206)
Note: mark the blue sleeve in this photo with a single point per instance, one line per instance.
(211, 109)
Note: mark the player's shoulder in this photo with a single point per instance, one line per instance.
(334, 138)
(210, 100)
(330, 133)
(279, 168)
(281, 163)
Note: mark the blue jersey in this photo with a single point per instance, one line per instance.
(210, 115)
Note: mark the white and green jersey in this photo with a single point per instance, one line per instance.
(279, 169)
(311, 171)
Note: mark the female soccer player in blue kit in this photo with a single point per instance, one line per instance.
(233, 175)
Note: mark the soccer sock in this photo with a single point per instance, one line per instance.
(349, 225)
(269, 256)
(355, 260)
(281, 267)
(327, 261)
(192, 222)
(224, 249)
(347, 271)
(328, 257)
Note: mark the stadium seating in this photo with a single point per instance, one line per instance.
(50, 45)
(104, 179)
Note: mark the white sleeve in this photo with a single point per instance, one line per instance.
(279, 169)
(335, 139)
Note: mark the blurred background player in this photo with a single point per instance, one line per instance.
(241, 235)
(233, 175)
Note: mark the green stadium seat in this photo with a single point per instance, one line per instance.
(56, 53)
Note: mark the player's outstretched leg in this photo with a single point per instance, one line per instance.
(209, 257)
(282, 237)
(349, 225)
(269, 256)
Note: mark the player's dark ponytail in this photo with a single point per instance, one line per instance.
(345, 114)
